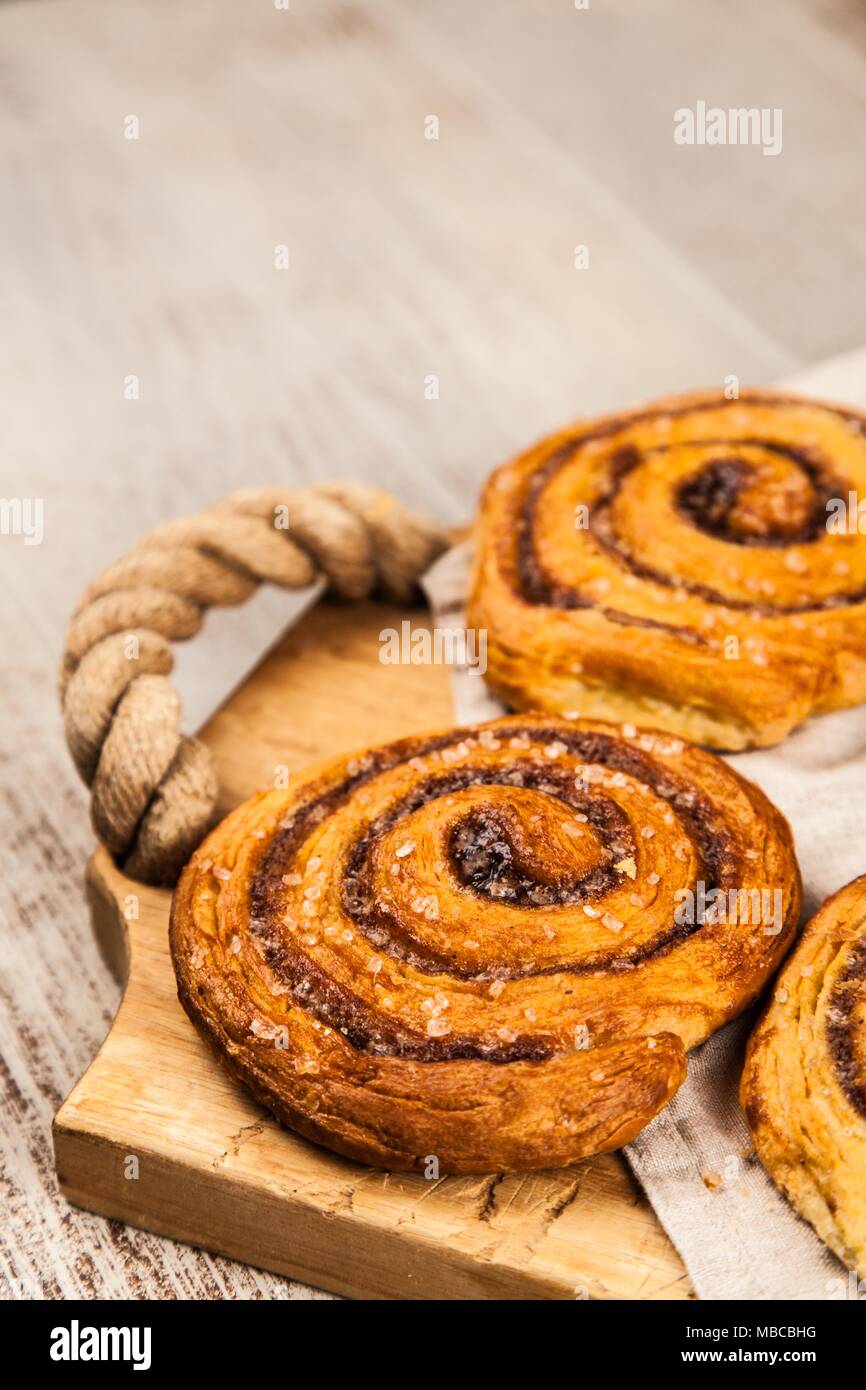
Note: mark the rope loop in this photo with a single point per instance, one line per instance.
(153, 789)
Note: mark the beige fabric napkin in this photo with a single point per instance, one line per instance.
(738, 1238)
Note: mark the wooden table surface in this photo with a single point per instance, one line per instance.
(409, 259)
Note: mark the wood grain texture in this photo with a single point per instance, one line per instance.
(213, 1168)
(407, 257)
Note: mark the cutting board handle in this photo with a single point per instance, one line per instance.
(153, 788)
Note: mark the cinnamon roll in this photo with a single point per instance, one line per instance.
(804, 1085)
(696, 565)
(486, 947)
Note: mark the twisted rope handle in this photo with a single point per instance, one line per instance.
(154, 789)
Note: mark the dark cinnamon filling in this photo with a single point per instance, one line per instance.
(709, 497)
(480, 860)
(487, 862)
(840, 1025)
(489, 869)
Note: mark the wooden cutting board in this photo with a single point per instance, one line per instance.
(156, 1134)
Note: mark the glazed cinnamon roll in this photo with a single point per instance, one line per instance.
(696, 565)
(804, 1085)
(487, 947)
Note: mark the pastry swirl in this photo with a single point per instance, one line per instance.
(673, 566)
(803, 1089)
(467, 945)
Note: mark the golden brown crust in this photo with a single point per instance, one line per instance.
(700, 591)
(804, 1085)
(471, 945)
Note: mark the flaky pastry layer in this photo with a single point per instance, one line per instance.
(803, 1089)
